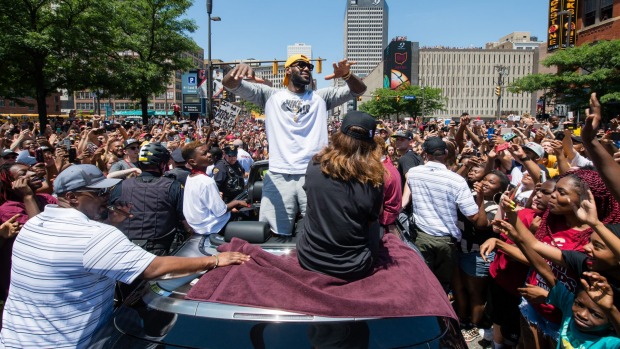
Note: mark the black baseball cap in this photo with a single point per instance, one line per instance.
(435, 146)
(361, 120)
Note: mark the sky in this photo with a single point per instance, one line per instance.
(263, 29)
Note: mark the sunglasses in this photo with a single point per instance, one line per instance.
(301, 65)
(133, 148)
(98, 192)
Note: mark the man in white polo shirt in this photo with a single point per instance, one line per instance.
(436, 194)
(66, 263)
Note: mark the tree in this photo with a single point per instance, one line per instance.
(581, 70)
(385, 103)
(46, 45)
(151, 40)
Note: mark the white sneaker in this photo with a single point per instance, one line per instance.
(486, 334)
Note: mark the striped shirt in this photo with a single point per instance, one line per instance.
(436, 194)
(62, 281)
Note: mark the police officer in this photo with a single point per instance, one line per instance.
(228, 174)
(157, 202)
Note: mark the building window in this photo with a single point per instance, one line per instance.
(606, 9)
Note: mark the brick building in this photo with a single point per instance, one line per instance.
(599, 20)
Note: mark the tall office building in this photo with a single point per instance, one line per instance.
(299, 48)
(365, 34)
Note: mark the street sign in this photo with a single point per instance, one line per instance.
(409, 98)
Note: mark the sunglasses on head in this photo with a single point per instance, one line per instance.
(301, 65)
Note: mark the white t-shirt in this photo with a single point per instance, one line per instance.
(296, 124)
(65, 267)
(203, 208)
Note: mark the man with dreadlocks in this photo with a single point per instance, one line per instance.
(561, 228)
(19, 202)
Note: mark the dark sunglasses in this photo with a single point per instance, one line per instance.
(301, 65)
(97, 192)
(133, 148)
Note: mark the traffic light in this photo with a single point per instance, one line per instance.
(498, 90)
(377, 98)
(225, 94)
(397, 99)
(274, 68)
(359, 98)
(319, 65)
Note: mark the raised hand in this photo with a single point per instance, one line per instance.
(593, 119)
(10, 228)
(341, 69)
(597, 287)
(586, 210)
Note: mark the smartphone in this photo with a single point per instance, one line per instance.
(89, 124)
(478, 122)
(501, 147)
(58, 130)
(38, 154)
(505, 130)
(509, 137)
(67, 143)
(490, 132)
(537, 126)
(569, 126)
(72, 155)
(543, 176)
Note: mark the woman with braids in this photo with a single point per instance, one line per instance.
(561, 228)
(18, 203)
(344, 185)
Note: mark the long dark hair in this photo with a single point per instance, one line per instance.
(347, 158)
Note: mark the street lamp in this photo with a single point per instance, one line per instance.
(569, 26)
(209, 64)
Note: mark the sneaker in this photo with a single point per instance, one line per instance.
(470, 335)
(486, 334)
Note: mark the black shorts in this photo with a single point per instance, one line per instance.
(505, 311)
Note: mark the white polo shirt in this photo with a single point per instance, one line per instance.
(64, 270)
(436, 194)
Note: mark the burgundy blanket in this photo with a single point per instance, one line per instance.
(401, 285)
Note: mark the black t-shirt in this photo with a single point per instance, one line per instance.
(576, 261)
(229, 179)
(340, 231)
(406, 162)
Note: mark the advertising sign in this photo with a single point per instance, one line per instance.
(397, 64)
(559, 27)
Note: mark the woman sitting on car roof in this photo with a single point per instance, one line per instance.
(344, 185)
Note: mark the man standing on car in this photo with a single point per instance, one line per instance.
(296, 125)
(437, 194)
(66, 263)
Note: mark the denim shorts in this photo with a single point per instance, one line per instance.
(473, 264)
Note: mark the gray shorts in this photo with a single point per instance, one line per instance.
(283, 198)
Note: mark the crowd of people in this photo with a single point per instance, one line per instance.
(517, 219)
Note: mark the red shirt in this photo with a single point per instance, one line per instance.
(392, 193)
(7, 210)
(563, 238)
(507, 272)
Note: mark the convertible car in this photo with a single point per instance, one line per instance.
(270, 302)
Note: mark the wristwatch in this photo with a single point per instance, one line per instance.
(525, 158)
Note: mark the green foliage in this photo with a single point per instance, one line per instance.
(124, 47)
(250, 107)
(581, 70)
(427, 101)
